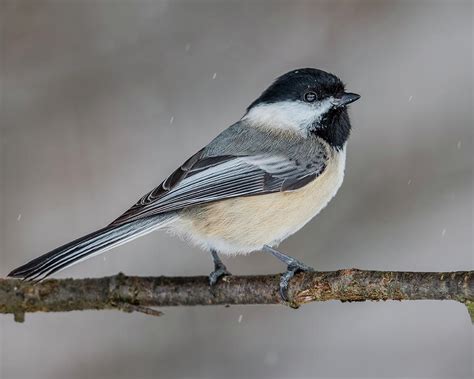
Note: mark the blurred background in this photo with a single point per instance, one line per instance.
(101, 100)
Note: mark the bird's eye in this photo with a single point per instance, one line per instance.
(310, 97)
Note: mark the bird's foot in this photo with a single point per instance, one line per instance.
(294, 266)
(285, 278)
(219, 272)
(219, 269)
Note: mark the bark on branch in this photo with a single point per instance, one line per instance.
(130, 293)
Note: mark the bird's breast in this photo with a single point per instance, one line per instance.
(245, 224)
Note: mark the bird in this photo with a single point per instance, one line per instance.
(255, 184)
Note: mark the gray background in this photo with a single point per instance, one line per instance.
(89, 90)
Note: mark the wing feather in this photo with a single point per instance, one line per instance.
(204, 180)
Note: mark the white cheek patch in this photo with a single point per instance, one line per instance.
(288, 115)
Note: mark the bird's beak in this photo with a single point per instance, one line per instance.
(345, 99)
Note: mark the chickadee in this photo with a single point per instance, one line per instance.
(255, 184)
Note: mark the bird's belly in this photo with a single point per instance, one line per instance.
(245, 224)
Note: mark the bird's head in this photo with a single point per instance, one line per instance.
(305, 101)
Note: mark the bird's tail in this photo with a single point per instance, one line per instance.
(86, 247)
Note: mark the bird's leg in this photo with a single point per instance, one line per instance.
(293, 266)
(219, 269)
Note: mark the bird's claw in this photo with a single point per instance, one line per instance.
(293, 268)
(219, 272)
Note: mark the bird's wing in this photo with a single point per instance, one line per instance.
(203, 179)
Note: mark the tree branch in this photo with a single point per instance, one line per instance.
(139, 293)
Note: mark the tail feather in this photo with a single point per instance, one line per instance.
(86, 247)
